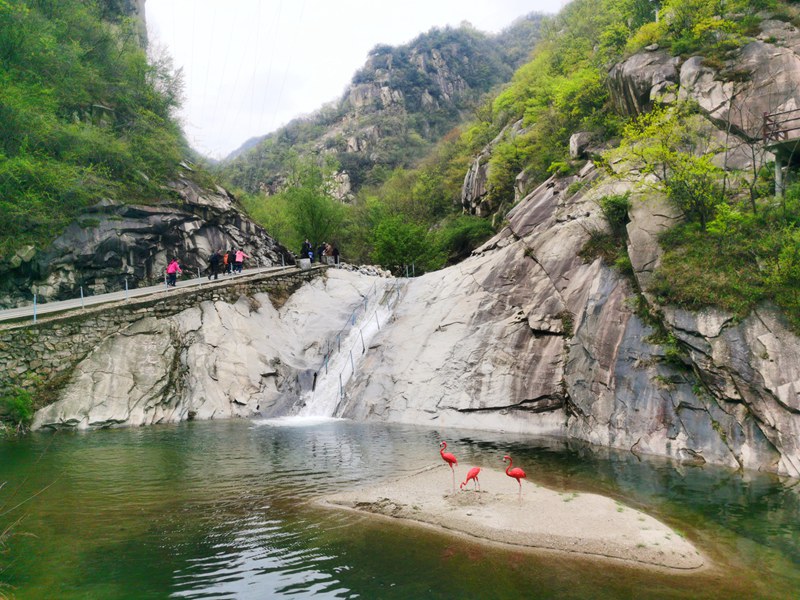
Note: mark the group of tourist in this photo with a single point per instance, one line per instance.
(230, 261)
(325, 253)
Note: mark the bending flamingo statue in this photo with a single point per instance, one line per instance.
(450, 460)
(472, 474)
(516, 473)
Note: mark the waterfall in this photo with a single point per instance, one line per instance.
(347, 351)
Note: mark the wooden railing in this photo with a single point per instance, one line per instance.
(781, 126)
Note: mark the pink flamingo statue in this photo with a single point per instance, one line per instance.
(516, 473)
(450, 460)
(472, 474)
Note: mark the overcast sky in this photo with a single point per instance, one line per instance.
(251, 66)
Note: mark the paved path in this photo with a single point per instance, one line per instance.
(51, 307)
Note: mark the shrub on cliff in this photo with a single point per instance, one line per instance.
(16, 408)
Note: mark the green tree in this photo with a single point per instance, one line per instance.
(303, 209)
(672, 147)
(460, 235)
(83, 115)
(398, 242)
(784, 273)
(313, 214)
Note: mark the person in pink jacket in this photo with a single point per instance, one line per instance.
(173, 270)
(239, 260)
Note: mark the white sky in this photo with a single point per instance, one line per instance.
(251, 66)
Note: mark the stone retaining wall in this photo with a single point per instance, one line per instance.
(39, 357)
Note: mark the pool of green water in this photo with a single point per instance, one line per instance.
(225, 510)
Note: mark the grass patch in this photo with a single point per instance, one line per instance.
(736, 268)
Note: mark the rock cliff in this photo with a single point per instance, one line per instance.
(526, 336)
(112, 242)
(215, 360)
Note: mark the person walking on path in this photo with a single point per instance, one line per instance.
(239, 261)
(173, 270)
(213, 264)
(335, 254)
(307, 251)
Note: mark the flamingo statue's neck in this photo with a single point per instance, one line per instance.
(510, 462)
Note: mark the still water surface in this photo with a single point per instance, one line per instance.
(225, 510)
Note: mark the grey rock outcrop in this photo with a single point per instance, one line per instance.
(762, 77)
(215, 360)
(767, 79)
(579, 143)
(636, 82)
(113, 242)
(526, 336)
(475, 189)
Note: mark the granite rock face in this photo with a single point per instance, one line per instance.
(638, 81)
(475, 197)
(114, 242)
(760, 78)
(216, 360)
(526, 336)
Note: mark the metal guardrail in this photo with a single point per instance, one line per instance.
(350, 341)
(37, 309)
(781, 126)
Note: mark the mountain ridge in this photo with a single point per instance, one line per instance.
(403, 96)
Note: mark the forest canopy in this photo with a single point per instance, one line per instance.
(85, 115)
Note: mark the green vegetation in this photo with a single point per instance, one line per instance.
(560, 91)
(84, 115)
(611, 245)
(16, 409)
(397, 130)
(711, 27)
(672, 148)
(392, 228)
(742, 260)
(738, 246)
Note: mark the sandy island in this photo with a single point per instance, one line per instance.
(586, 524)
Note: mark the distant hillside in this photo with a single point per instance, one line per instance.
(399, 103)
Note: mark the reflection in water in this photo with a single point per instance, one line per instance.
(224, 510)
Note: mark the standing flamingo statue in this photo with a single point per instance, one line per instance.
(450, 460)
(472, 474)
(516, 473)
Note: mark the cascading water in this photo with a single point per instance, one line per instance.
(347, 351)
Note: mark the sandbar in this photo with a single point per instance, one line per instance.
(582, 523)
